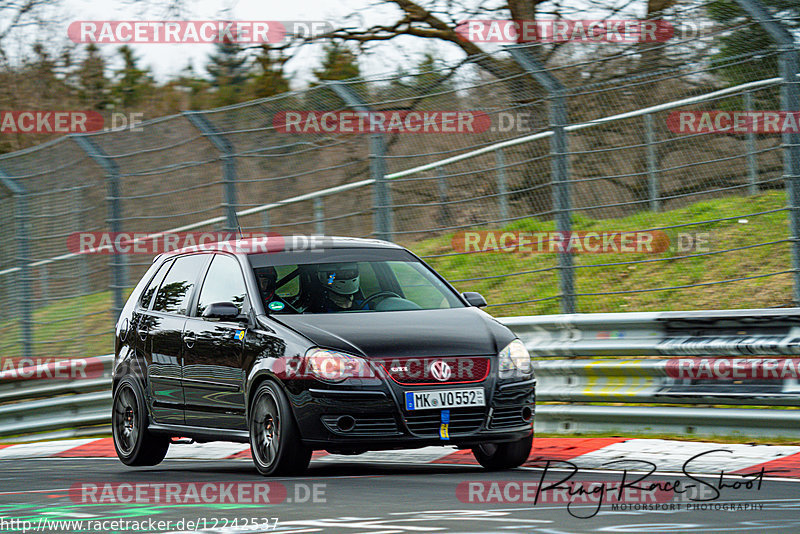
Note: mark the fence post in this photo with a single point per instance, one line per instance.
(118, 262)
(24, 293)
(559, 158)
(319, 216)
(790, 103)
(6, 295)
(750, 140)
(502, 188)
(652, 163)
(78, 205)
(444, 198)
(227, 155)
(382, 197)
(44, 283)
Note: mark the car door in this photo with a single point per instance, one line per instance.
(141, 326)
(162, 329)
(213, 375)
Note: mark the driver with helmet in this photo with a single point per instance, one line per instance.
(340, 283)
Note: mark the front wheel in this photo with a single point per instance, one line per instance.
(497, 456)
(133, 443)
(274, 439)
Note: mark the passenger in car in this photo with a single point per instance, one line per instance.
(267, 283)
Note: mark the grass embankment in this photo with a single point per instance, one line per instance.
(670, 269)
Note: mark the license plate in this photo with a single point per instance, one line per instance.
(444, 398)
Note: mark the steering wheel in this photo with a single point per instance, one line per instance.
(384, 294)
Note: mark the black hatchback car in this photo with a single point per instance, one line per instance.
(347, 346)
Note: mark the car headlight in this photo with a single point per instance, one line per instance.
(333, 366)
(514, 360)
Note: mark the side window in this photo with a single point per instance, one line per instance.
(175, 291)
(292, 287)
(223, 283)
(147, 294)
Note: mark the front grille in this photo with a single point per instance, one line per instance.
(366, 425)
(417, 371)
(462, 421)
(507, 407)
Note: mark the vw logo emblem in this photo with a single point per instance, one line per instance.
(440, 370)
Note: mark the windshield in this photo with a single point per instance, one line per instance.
(353, 286)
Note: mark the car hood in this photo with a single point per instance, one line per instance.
(436, 333)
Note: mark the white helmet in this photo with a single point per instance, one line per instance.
(341, 278)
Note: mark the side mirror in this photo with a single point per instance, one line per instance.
(221, 311)
(474, 299)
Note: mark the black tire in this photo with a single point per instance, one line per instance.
(274, 440)
(135, 446)
(497, 456)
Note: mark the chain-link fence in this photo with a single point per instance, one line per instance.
(575, 138)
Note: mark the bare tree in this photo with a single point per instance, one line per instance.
(17, 14)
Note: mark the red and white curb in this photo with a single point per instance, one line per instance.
(585, 453)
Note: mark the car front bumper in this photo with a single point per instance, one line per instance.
(375, 418)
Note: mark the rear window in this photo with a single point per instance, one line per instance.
(147, 294)
(176, 289)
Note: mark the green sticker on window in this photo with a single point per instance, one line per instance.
(275, 305)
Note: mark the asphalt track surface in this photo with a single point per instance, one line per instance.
(374, 498)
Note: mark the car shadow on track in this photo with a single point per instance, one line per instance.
(180, 469)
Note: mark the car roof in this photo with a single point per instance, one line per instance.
(287, 243)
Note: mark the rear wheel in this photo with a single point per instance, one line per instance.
(497, 456)
(274, 440)
(133, 443)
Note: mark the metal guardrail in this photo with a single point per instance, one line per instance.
(703, 346)
(764, 332)
(56, 407)
(656, 420)
(713, 364)
(674, 381)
